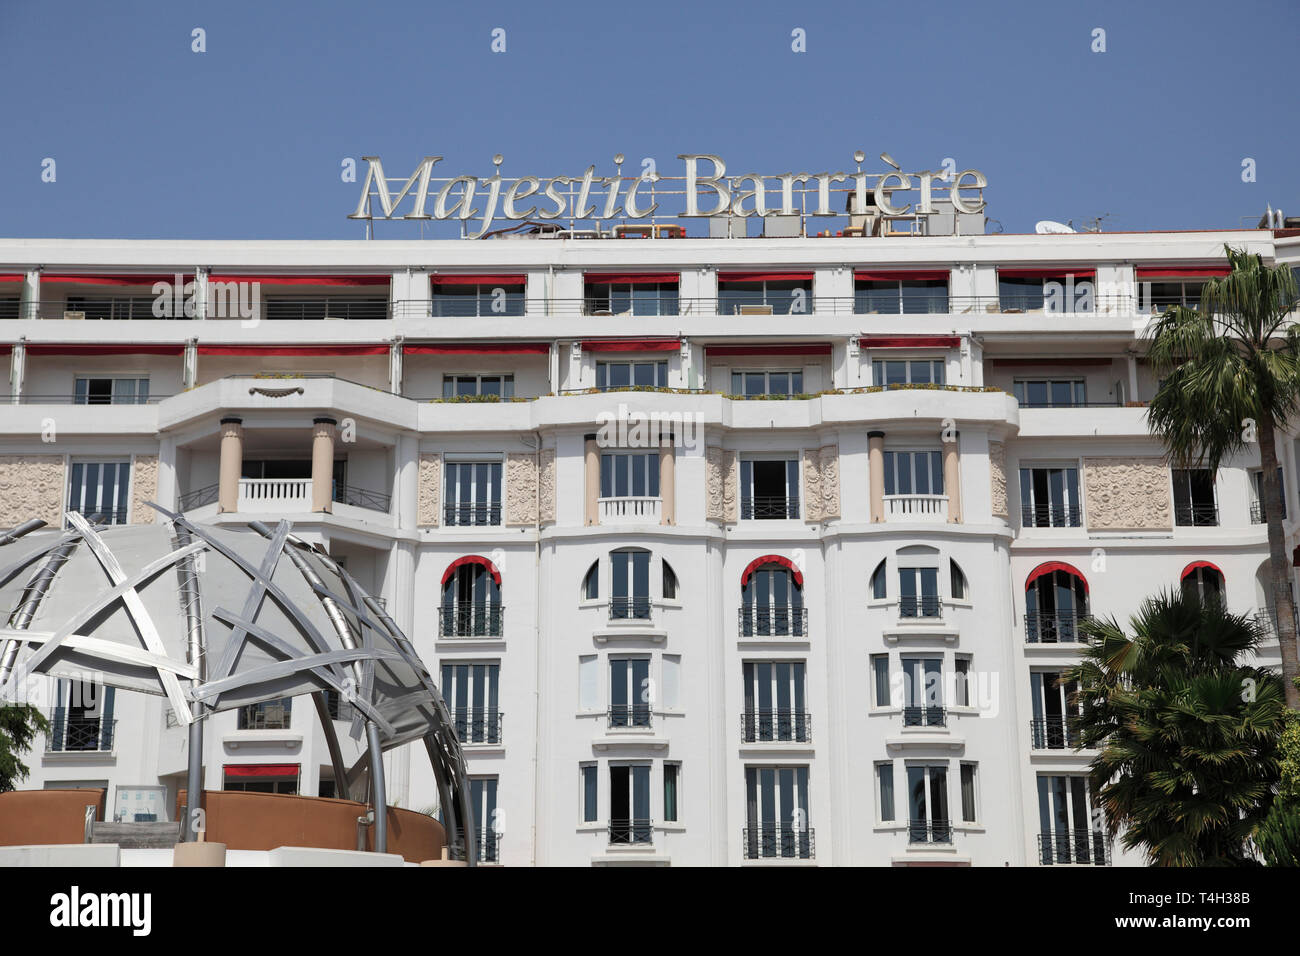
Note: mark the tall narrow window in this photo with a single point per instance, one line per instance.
(913, 473)
(878, 591)
(885, 791)
(629, 804)
(923, 692)
(590, 813)
(775, 705)
(928, 820)
(961, 687)
(629, 692)
(1049, 497)
(880, 679)
(1055, 603)
(630, 571)
(591, 583)
(957, 581)
(1071, 830)
(772, 604)
(918, 592)
(769, 488)
(968, 807)
(471, 603)
(1055, 707)
(483, 799)
(1194, 497)
(100, 488)
(472, 692)
(669, 582)
(672, 775)
(1258, 514)
(473, 493)
(777, 821)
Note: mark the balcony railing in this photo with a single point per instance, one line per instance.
(917, 507)
(629, 609)
(1050, 516)
(930, 715)
(478, 726)
(629, 510)
(102, 515)
(769, 621)
(664, 303)
(929, 831)
(769, 507)
(274, 494)
(926, 605)
(1267, 621)
(1080, 847)
(1196, 515)
(775, 841)
(489, 846)
(80, 734)
(1257, 514)
(635, 831)
(277, 309)
(629, 715)
(471, 620)
(1053, 733)
(64, 398)
(362, 498)
(199, 497)
(775, 726)
(1054, 627)
(464, 515)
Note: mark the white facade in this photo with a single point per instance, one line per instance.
(511, 483)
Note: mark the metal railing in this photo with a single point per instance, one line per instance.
(489, 846)
(478, 726)
(1051, 516)
(771, 621)
(925, 605)
(65, 398)
(362, 498)
(1054, 627)
(466, 515)
(471, 620)
(1196, 515)
(1258, 515)
(629, 608)
(1266, 619)
(776, 841)
(80, 734)
(768, 507)
(1083, 847)
(775, 726)
(1053, 733)
(631, 831)
(929, 831)
(277, 309)
(629, 715)
(199, 497)
(664, 303)
(929, 715)
(102, 515)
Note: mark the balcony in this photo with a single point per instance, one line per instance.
(474, 620)
(1051, 516)
(362, 498)
(1073, 847)
(467, 515)
(775, 726)
(632, 832)
(776, 841)
(272, 495)
(920, 606)
(1054, 627)
(1257, 514)
(629, 609)
(629, 510)
(917, 507)
(489, 846)
(761, 621)
(929, 831)
(769, 507)
(629, 715)
(1204, 515)
(71, 734)
(478, 726)
(926, 716)
(1052, 733)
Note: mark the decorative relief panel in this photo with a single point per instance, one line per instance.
(521, 488)
(31, 486)
(1127, 493)
(429, 479)
(998, 477)
(828, 461)
(721, 482)
(144, 487)
(546, 485)
(812, 485)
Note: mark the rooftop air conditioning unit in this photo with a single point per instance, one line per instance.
(74, 315)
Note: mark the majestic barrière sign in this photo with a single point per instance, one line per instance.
(706, 189)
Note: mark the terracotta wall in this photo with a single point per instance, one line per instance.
(43, 817)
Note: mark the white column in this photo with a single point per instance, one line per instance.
(395, 365)
(166, 491)
(29, 304)
(18, 369)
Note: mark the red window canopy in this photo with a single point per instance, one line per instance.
(92, 279)
(765, 277)
(479, 348)
(1050, 566)
(1181, 272)
(605, 278)
(338, 350)
(1049, 362)
(631, 345)
(1054, 272)
(914, 275)
(519, 279)
(104, 349)
(261, 769)
(1197, 565)
(771, 559)
(796, 348)
(909, 341)
(472, 559)
(12, 278)
(304, 280)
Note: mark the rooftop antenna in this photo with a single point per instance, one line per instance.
(1094, 224)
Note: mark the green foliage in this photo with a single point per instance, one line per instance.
(1278, 837)
(19, 724)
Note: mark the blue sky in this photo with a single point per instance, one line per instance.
(246, 140)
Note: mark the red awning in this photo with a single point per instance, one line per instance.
(1051, 272)
(261, 769)
(796, 348)
(601, 278)
(472, 559)
(1196, 565)
(1050, 566)
(15, 278)
(915, 275)
(104, 349)
(479, 348)
(765, 277)
(771, 559)
(631, 345)
(304, 280)
(519, 279)
(339, 350)
(909, 341)
(1181, 272)
(1048, 362)
(115, 279)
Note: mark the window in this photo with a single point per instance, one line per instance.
(888, 372)
(928, 820)
(629, 804)
(772, 604)
(957, 582)
(635, 298)
(630, 374)
(1205, 582)
(629, 692)
(473, 493)
(1068, 294)
(472, 693)
(457, 386)
(885, 790)
(1071, 828)
(588, 687)
(672, 782)
(669, 582)
(278, 308)
(631, 584)
(775, 708)
(590, 813)
(968, 792)
(778, 297)
(471, 603)
(82, 718)
(785, 382)
(913, 473)
(1050, 393)
(100, 488)
(470, 299)
(591, 583)
(880, 680)
(1257, 513)
(1194, 497)
(903, 296)
(961, 686)
(483, 799)
(1055, 602)
(114, 307)
(117, 390)
(1177, 292)
(918, 592)
(923, 692)
(769, 489)
(878, 582)
(267, 715)
(629, 475)
(1054, 707)
(776, 813)
(9, 306)
(1049, 497)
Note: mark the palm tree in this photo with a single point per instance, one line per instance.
(1230, 375)
(1187, 737)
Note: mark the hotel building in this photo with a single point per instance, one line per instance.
(723, 551)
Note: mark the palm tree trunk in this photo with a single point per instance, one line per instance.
(1279, 567)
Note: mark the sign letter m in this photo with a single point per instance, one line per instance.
(375, 174)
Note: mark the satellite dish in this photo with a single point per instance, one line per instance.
(1049, 227)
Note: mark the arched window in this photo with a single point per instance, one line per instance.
(772, 599)
(918, 582)
(591, 583)
(959, 590)
(669, 582)
(1203, 579)
(471, 599)
(879, 587)
(1056, 599)
(630, 587)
